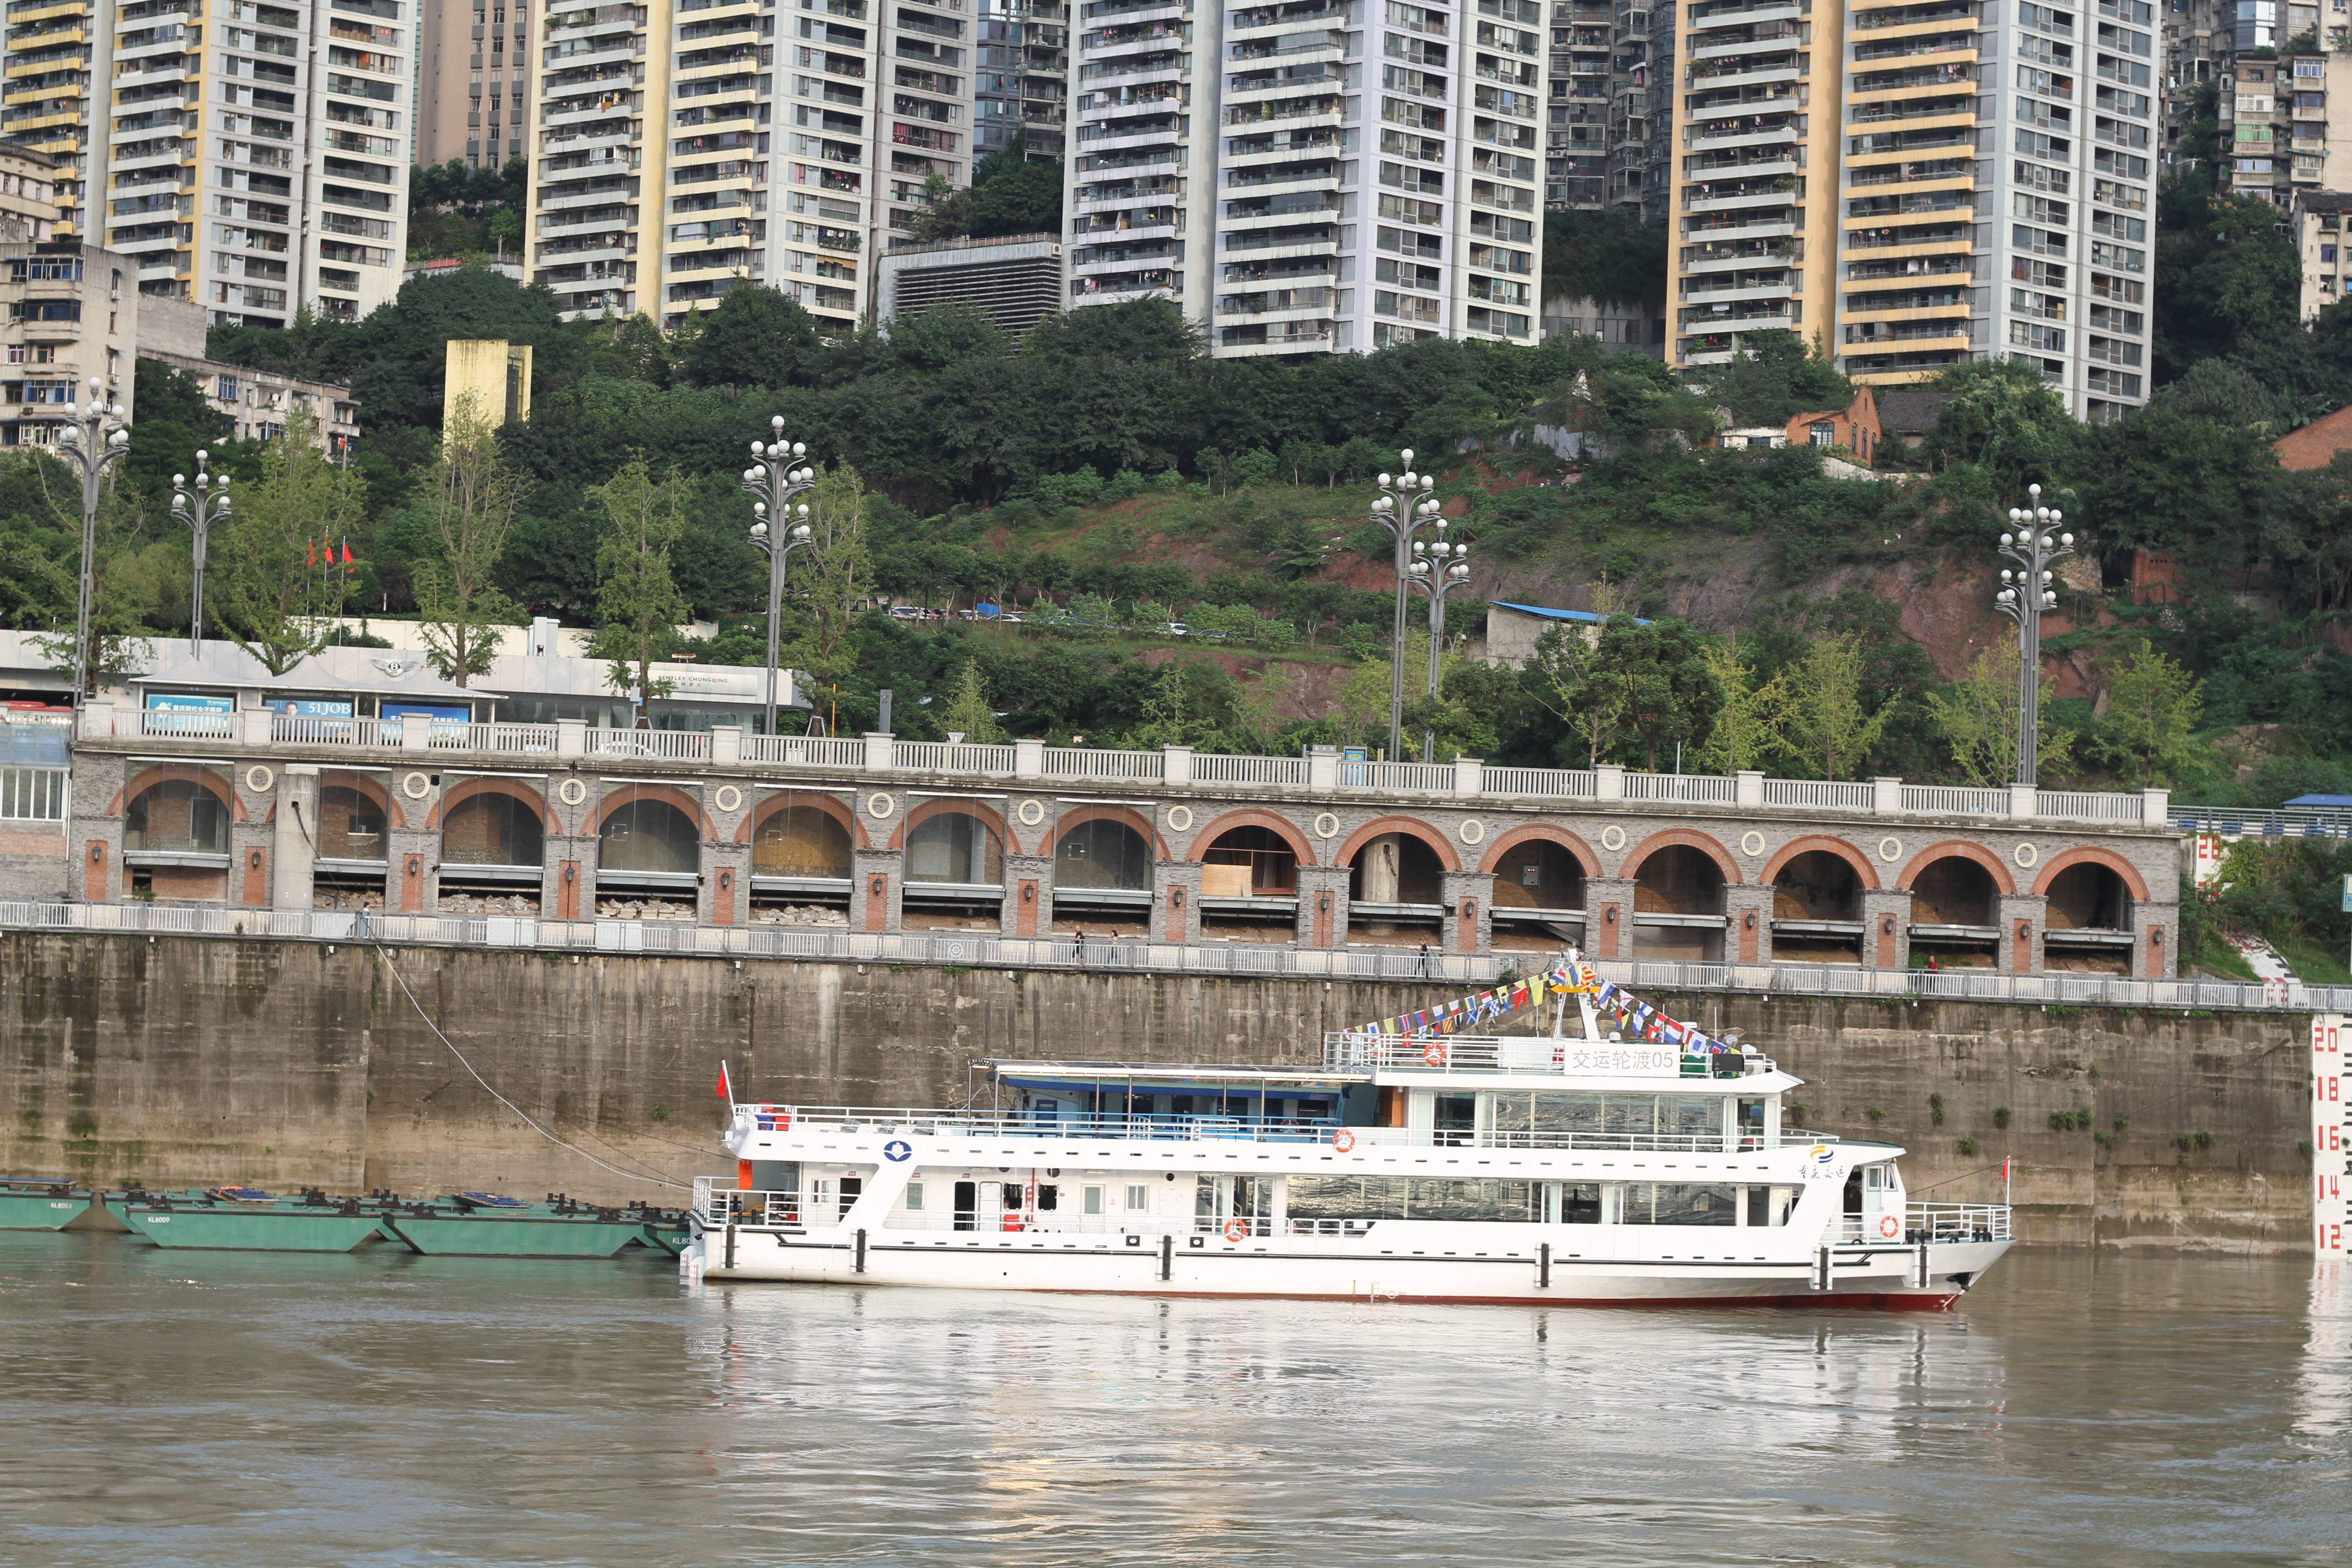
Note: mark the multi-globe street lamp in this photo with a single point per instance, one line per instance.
(1405, 508)
(777, 479)
(1437, 570)
(208, 506)
(2023, 597)
(92, 448)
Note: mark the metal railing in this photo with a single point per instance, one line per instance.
(1819, 795)
(658, 745)
(1362, 1050)
(2284, 821)
(1956, 1222)
(1542, 784)
(1943, 800)
(807, 750)
(1218, 768)
(1120, 767)
(947, 757)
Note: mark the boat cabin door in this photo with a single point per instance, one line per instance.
(980, 1206)
(1219, 1202)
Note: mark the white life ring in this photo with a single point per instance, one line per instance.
(1889, 1226)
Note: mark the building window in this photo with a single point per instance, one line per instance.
(1824, 433)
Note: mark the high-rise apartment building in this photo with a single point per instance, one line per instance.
(1916, 185)
(250, 157)
(1612, 69)
(472, 80)
(686, 144)
(1020, 77)
(1310, 176)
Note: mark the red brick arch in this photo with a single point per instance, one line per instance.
(1409, 826)
(670, 794)
(203, 778)
(2092, 855)
(1983, 856)
(917, 816)
(1549, 834)
(465, 790)
(1862, 869)
(748, 827)
(1126, 816)
(1631, 866)
(1280, 826)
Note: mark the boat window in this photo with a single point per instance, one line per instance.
(1629, 1115)
(1377, 1197)
(1510, 1113)
(851, 1186)
(1680, 1202)
(1751, 1121)
(967, 1205)
(1691, 1115)
(1049, 1197)
(1139, 1199)
(1457, 1118)
(1770, 1205)
(1580, 1202)
(1093, 1201)
(915, 1196)
(1568, 1113)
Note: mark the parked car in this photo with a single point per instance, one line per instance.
(906, 612)
(1176, 629)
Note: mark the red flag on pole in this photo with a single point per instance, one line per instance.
(726, 1088)
(313, 561)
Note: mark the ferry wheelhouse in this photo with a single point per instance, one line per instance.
(1470, 1168)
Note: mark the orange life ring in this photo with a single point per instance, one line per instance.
(1342, 1140)
(1433, 1053)
(1237, 1230)
(1889, 1226)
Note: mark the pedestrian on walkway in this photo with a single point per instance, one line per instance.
(1424, 961)
(1081, 957)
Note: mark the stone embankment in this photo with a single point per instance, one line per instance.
(179, 1061)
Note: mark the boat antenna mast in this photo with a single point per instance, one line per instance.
(1574, 965)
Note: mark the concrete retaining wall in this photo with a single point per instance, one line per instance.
(183, 1062)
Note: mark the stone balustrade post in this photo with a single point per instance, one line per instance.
(1178, 761)
(253, 726)
(1886, 797)
(2021, 801)
(96, 720)
(572, 737)
(1322, 768)
(1029, 757)
(726, 745)
(1751, 788)
(881, 751)
(416, 732)
(2155, 807)
(1469, 776)
(1610, 782)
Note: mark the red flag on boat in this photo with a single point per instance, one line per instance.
(726, 1088)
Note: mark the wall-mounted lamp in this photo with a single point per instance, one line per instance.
(726, 881)
(2024, 930)
(571, 875)
(1176, 897)
(1887, 926)
(1609, 915)
(98, 853)
(1323, 902)
(1747, 920)
(878, 885)
(1028, 892)
(2156, 936)
(253, 860)
(1469, 908)
(416, 865)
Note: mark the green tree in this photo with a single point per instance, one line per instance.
(757, 336)
(1008, 195)
(1977, 718)
(834, 573)
(968, 713)
(1753, 717)
(269, 592)
(2153, 706)
(1662, 685)
(2003, 417)
(1830, 723)
(470, 502)
(1571, 685)
(1776, 377)
(638, 597)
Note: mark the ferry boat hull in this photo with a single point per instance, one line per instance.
(1889, 1277)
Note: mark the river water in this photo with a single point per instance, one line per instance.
(254, 1410)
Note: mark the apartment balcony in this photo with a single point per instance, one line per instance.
(1949, 15)
(1258, 21)
(621, 51)
(1747, 71)
(1740, 133)
(1771, 165)
(1739, 14)
(1277, 304)
(1733, 289)
(1739, 255)
(1779, 195)
(1769, 38)
(581, 111)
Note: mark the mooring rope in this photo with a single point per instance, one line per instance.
(402, 981)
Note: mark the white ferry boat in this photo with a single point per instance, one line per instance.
(1415, 1167)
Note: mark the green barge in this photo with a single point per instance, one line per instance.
(40, 1203)
(474, 1225)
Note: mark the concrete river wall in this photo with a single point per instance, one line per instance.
(182, 1061)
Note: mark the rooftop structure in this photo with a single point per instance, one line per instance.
(255, 403)
(74, 311)
(1017, 278)
(28, 195)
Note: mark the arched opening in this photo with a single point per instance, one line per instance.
(801, 840)
(801, 866)
(1102, 852)
(2087, 927)
(1955, 915)
(1249, 886)
(1102, 879)
(177, 816)
(1396, 891)
(1535, 882)
(1678, 906)
(175, 841)
(1817, 909)
(955, 874)
(351, 824)
(955, 846)
(648, 836)
(493, 841)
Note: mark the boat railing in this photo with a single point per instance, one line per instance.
(734, 1205)
(887, 1124)
(1924, 1222)
(1362, 1050)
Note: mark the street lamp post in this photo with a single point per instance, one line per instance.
(2023, 596)
(1404, 508)
(776, 477)
(92, 448)
(1437, 570)
(209, 505)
